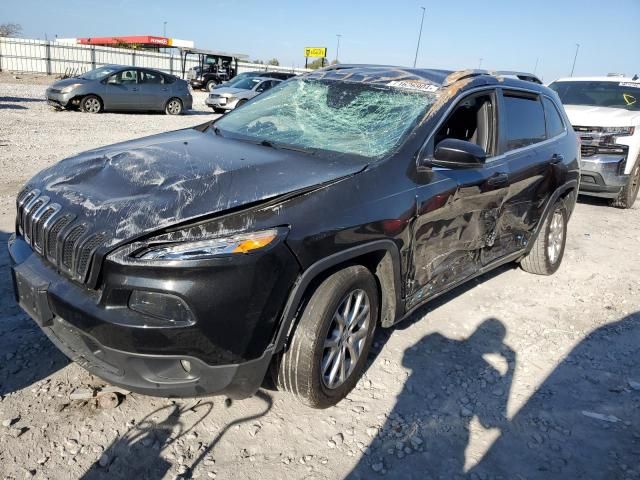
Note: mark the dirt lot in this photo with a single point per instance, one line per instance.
(513, 376)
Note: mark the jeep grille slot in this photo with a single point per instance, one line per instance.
(87, 250)
(52, 236)
(38, 230)
(69, 243)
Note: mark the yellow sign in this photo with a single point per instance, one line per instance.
(315, 52)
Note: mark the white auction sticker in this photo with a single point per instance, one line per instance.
(413, 85)
(630, 84)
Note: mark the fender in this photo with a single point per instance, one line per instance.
(554, 198)
(300, 287)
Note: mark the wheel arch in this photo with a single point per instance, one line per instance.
(381, 257)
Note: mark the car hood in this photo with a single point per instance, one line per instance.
(229, 91)
(593, 116)
(136, 187)
(68, 81)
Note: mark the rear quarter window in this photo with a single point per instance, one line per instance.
(525, 123)
(555, 125)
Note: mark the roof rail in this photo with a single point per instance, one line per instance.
(462, 74)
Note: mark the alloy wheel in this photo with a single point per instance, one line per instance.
(173, 107)
(555, 236)
(345, 340)
(92, 105)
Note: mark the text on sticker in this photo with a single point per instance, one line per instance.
(413, 85)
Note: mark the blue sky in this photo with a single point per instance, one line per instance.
(457, 33)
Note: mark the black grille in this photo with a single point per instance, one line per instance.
(57, 235)
(70, 243)
(588, 150)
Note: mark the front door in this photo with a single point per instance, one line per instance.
(459, 211)
(123, 91)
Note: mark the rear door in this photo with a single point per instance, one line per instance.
(122, 91)
(459, 213)
(530, 143)
(154, 92)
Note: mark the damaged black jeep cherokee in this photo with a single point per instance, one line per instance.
(275, 239)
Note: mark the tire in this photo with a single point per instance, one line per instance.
(546, 254)
(210, 85)
(299, 369)
(629, 192)
(91, 104)
(241, 102)
(173, 106)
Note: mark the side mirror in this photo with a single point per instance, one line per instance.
(454, 153)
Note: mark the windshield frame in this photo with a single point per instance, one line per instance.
(313, 150)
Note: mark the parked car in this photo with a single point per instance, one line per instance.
(118, 87)
(276, 239)
(238, 93)
(243, 75)
(605, 112)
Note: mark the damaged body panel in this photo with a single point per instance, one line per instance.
(203, 245)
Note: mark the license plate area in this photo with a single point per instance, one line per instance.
(31, 294)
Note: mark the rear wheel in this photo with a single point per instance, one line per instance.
(546, 254)
(629, 192)
(173, 107)
(328, 351)
(91, 104)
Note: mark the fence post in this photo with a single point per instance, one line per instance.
(133, 59)
(93, 56)
(171, 64)
(47, 49)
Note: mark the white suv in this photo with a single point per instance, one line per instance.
(605, 113)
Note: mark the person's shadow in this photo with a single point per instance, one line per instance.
(452, 382)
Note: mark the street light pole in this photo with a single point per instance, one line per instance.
(574, 59)
(338, 48)
(164, 29)
(536, 67)
(415, 60)
(480, 63)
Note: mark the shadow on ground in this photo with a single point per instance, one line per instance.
(141, 453)
(26, 354)
(583, 421)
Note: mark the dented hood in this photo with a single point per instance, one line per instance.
(140, 186)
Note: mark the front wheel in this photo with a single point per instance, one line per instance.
(546, 254)
(91, 104)
(328, 352)
(629, 192)
(241, 102)
(173, 107)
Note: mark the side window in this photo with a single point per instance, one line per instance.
(555, 125)
(473, 120)
(524, 120)
(126, 77)
(168, 79)
(153, 78)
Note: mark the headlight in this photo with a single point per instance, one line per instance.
(241, 243)
(69, 88)
(618, 131)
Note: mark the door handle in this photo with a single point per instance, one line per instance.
(557, 158)
(498, 180)
(134, 89)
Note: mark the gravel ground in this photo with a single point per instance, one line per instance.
(513, 376)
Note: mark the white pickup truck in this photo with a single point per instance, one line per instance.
(605, 113)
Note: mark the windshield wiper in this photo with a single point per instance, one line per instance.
(283, 146)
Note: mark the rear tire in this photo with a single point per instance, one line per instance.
(91, 104)
(327, 356)
(546, 254)
(629, 192)
(173, 107)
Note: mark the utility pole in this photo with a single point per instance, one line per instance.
(574, 59)
(338, 48)
(164, 29)
(536, 67)
(480, 63)
(415, 59)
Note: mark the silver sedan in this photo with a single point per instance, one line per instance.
(227, 98)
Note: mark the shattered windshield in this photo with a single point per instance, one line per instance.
(98, 73)
(355, 118)
(623, 94)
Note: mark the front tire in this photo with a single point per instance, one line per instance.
(91, 104)
(173, 107)
(328, 352)
(629, 192)
(546, 254)
(241, 102)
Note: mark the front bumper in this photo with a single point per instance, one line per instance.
(603, 175)
(58, 99)
(221, 104)
(228, 349)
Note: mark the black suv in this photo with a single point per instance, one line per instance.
(275, 239)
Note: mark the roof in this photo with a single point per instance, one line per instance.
(200, 51)
(387, 73)
(597, 79)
